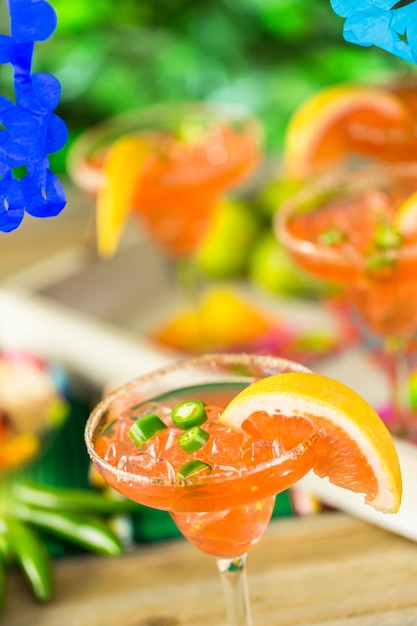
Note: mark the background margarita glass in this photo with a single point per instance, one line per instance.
(226, 512)
(357, 227)
(167, 165)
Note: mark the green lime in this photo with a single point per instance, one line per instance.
(225, 249)
(271, 268)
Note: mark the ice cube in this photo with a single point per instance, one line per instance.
(162, 470)
(146, 464)
(225, 446)
(115, 451)
(140, 463)
(262, 451)
(121, 429)
(278, 448)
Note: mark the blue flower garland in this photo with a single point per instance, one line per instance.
(387, 24)
(29, 130)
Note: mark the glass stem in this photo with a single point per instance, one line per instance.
(396, 348)
(235, 588)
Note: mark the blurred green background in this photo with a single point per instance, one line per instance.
(113, 55)
(270, 55)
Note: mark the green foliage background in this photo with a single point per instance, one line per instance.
(114, 55)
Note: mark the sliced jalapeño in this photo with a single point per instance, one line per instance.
(146, 428)
(193, 439)
(189, 413)
(192, 469)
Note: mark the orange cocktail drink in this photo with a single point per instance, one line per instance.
(225, 509)
(351, 238)
(213, 439)
(184, 179)
(357, 228)
(193, 153)
(222, 495)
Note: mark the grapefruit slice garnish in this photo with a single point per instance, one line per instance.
(344, 119)
(355, 450)
(120, 174)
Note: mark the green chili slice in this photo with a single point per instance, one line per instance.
(146, 428)
(189, 413)
(332, 237)
(387, 237)
(193, 439)
(193, 468)
(380, 264)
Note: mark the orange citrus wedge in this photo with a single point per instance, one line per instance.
(223, 318)
(322, 129)
(120, 174)
(355, 449)
(405, 219)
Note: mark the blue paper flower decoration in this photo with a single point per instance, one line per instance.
(29, 130)
(387, 24)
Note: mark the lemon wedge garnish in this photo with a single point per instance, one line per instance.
(121, 172)
(405, 219)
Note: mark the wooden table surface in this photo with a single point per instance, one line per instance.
(324, 570)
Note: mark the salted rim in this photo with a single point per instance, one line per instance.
(331, 182)
(88, 177)
(277, 366)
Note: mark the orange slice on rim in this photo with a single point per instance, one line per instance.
(355, 451)
(344, 119)
(121, 172)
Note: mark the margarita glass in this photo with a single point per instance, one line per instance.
(346, 227)
(195, 152)
(223, 512)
